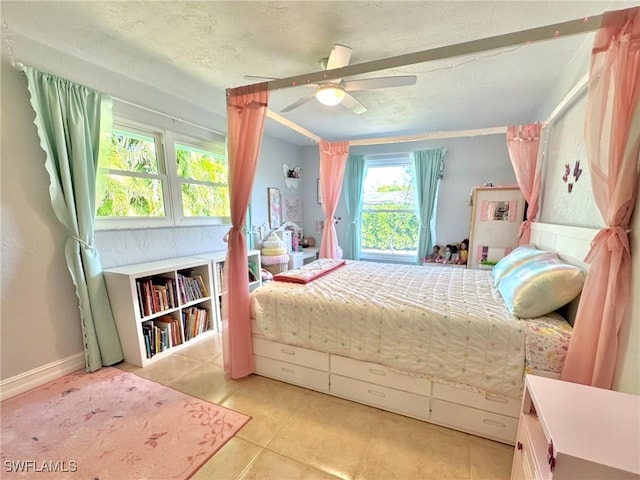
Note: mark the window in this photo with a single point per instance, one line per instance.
(154, 178)
(202, 175)
(389, 221)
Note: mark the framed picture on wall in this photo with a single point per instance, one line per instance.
(274, 200)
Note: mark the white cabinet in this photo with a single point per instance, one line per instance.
(160, 307)
(495, 220)
(217, 260)
(572, 431)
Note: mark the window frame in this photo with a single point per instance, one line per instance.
(212, 146)
(165, 141)
(382, 161)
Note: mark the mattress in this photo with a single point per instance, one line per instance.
(449, 324)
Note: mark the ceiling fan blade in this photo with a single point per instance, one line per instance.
(299, 102)
(352, 104)
(379, 82)
(339, 57)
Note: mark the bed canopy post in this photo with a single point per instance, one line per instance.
(333, 160)
(246, 112)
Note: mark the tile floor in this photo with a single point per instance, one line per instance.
(296, 433)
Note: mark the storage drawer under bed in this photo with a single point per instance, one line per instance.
(471, 420)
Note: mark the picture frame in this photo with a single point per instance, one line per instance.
(319, 192)
(274, 200)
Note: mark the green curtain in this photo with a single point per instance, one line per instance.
(68, 119)
(354, 174)
(428, 167)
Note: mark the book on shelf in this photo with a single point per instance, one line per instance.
(155, 294)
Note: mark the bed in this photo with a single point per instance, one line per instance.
(437, 344)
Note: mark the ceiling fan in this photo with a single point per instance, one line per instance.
(334, 92)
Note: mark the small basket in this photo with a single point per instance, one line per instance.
(277, 268)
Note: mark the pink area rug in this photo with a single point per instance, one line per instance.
(110, 425)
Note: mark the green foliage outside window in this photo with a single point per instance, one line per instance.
(122, 195)
(389, 230)
(389, 222)
(204, 188)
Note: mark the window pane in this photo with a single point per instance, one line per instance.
(389, 223)
(205, 201)
(389, 231)
(124, 196)
(201, 165)
(131, 152)
(391, 186)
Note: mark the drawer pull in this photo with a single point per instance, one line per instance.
(287, 352)
(288, 370)
(376, 393)
(493, 423)
(378, 372)
(496, 398)
(519, 445)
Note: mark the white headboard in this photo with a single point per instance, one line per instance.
(571, 243)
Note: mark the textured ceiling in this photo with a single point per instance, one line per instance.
(197, 49)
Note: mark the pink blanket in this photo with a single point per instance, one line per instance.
(310, 272)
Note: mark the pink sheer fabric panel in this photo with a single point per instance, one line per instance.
(246, 111)
(612, 134)
(333, 160)
(523, 142)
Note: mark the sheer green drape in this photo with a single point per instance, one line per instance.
(428, 166)
(353, 182)
(68, 119)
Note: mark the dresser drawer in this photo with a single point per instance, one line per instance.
(472, 420)
(531, 446)
(290, 354)
(374, 373)
(291, 373)
(379, 396)
(492, 403)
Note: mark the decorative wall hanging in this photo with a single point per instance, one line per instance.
(292, 208)
(292, 176)
(577, 172)
(274, 200)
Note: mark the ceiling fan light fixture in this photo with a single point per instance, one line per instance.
(330, 95)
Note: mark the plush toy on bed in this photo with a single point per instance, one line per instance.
(450, 254)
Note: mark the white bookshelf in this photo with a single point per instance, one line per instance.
(217, 260)
(189, 317)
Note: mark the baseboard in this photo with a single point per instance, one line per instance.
(41, 375)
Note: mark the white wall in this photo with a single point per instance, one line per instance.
(469, 162)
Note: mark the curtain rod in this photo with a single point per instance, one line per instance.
(171, 117)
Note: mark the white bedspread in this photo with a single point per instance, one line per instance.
(446, 323)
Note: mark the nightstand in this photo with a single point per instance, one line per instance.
(572, 431)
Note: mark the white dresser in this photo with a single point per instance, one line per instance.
(572, 431)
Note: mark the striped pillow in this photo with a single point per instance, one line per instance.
(540, 286)
(516, 257)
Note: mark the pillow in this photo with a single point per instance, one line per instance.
(516, 257)
(540, 286)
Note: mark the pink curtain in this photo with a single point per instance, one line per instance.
(612, 135)
(246, 111)
(523, 142)
(333, 160)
